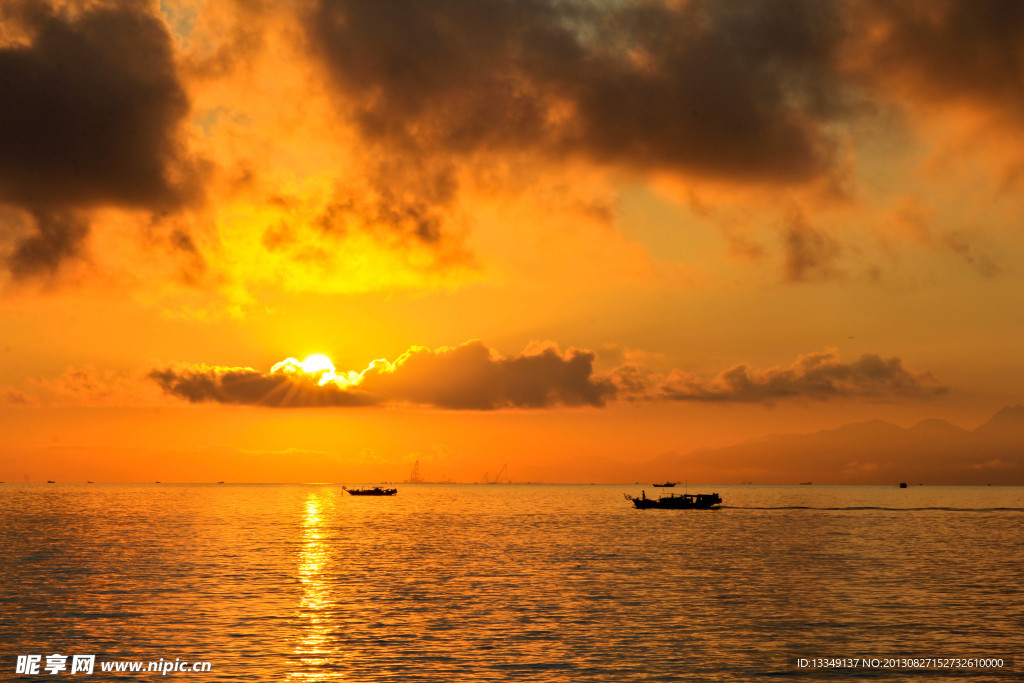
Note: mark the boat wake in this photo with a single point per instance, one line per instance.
(870, 507)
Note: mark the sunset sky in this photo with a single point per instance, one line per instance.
(548, 234)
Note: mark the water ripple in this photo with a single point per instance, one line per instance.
(472, 583)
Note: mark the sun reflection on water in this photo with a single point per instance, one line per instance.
(315, 659)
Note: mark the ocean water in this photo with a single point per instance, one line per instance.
(508, 582)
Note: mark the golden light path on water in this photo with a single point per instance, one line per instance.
(314, 652)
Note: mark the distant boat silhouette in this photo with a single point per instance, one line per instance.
(807, 483)
(667, 484)
(903, 484)
(50, 481)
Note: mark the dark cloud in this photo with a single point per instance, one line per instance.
(810, 253)
(249, 387)
(59, 236)
(743, 91)
(946, 50)
(734, 90)
(416, 215)
(474, 377)
(816, 376)
(89, 109)
(748, 92)
(466, 377)
(91, 106)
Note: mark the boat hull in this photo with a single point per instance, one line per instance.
(372, 492)
(699, 501)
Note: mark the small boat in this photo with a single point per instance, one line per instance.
(375, 491)
(50, 481)
(903, 484)
(687, 501)
(667, 484)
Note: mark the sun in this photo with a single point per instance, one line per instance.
(317, 363)
(316, 367)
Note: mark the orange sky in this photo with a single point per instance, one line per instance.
(573, 236)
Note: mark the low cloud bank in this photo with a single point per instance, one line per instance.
(472, 376)
(818, 376)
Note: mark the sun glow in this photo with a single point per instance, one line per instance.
(316, 364)
(319, 368)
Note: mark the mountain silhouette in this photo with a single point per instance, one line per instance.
(1004, 427)
(872, 452)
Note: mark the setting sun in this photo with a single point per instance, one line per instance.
(317, 363)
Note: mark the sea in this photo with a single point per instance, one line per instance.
(462, 582)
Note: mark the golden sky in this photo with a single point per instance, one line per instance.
(569, 236)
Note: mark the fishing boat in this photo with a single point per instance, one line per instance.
(375, 491)
(667, 484)
(686, 501)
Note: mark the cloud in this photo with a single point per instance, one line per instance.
(945, 51)
(918, 223)
(85, 386)
(810, 254)
(345, 146)
(13, 397)
(472, 376)
(248, 387)
(58, 236)
(958, 243)
(466, 377)
(90, 116)
(734, 90)
(816, 376)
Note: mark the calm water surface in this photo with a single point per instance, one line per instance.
(507, 582)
